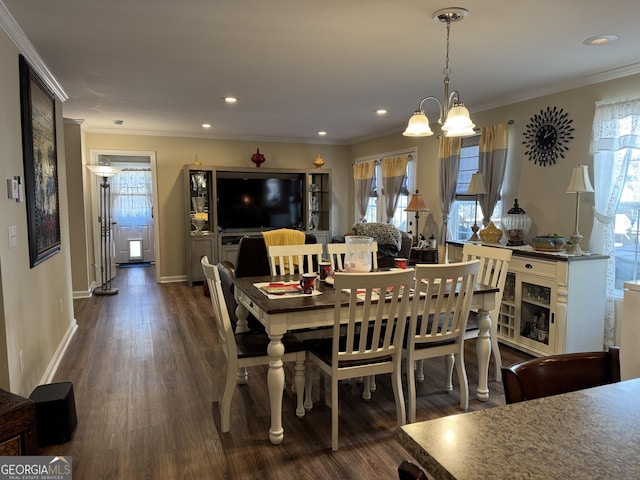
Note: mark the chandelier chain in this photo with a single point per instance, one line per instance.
(446, 69)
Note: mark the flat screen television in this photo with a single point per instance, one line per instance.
(248, 201)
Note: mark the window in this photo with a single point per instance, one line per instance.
(375, 208)
(627, 223)
(463, 209)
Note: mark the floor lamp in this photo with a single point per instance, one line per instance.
(476, 187)
(578, 184)
(105, 172)
(417, 205)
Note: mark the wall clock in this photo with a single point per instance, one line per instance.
(547, 136)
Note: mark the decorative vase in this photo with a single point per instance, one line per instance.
(258, 158)
(516, 224)
(490, 234)
(318, 162)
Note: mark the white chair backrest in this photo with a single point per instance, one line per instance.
(438, 315)
(291, 259)
(494, 263)
(370, 315)
(337, 252)
(220, 312)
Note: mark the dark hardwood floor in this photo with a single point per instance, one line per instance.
(142, 363)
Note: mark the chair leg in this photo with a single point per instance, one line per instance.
(401, 413)
(242, 376)
(464, 382)
(411, 387)
(366, 390)
(227, 396)
(308, 378)
(495, 348)
(448, 361)
(420, 370)
(299, 381)
(334, 414)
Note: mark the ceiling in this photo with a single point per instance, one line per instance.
(301, 66)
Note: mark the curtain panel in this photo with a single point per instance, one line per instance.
(394, 175)
(616, 131)
(363, 173)
(131, 196)
(492, 162)
(449, 155)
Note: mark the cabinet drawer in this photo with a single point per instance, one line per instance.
(533, 267)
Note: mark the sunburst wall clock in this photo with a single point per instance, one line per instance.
(547, 136)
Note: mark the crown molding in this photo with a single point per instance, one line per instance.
(17, 36)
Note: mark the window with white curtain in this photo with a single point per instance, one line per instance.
(464, 208)
(131, 196)
(375, 207)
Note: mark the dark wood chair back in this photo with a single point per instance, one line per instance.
(410, 471)
(545, 376)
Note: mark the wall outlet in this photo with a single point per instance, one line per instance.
(21, 358)
(61, 307)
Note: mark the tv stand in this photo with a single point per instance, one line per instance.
(220, 245)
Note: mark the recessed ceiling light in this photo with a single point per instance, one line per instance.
(381, 111)
(600, 39)
(322, 133)
(206, 125)
(230, 99)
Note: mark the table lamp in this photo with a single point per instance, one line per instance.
(476, 187)
(578, 184)
(417, 205)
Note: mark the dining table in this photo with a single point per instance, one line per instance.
(286, 313)
(586, 434)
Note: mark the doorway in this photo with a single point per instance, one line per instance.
(133, 201)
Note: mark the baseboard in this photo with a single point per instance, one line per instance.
(176, 279)
(59, 354)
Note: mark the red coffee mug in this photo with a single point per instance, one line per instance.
(400, 262)
(324, 270)
(308, 282)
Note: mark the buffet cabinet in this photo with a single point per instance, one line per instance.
(552, 303)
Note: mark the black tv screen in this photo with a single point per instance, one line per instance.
(259, 201)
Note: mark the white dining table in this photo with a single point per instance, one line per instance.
(297, 312)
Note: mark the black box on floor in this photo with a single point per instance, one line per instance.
(55, 413)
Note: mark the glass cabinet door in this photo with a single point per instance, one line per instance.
(536, 316)
(200, 188)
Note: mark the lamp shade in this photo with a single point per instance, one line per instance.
(458, 123)
(580, 182)
(476, 186)
(418, 125)
(104, 170)
(416, 204)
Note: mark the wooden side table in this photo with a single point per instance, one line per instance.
(423, 255)
(18, 434)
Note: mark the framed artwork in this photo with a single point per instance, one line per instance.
(40, 165)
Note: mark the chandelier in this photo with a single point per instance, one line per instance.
(454, 116)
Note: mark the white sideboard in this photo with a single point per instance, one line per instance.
(552, 303)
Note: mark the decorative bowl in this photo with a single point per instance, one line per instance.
(549, 243)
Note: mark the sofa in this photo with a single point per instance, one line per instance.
(392, 242)
(251, 261)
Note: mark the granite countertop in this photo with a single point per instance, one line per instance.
(593, 433)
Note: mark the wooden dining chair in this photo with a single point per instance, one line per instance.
(337, 251)
(494, 264)
(292, 259)
(242, 350)
(562, 373)
(438, 320)
(381, 320)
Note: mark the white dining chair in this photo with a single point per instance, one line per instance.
(292, 259)
(438, 321)
(337, 252)
(378, 349)
(242, 350)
